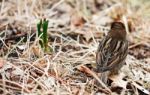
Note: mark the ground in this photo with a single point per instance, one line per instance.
(74, 30)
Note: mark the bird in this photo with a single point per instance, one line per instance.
(112, 51)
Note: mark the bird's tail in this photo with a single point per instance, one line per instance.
(104, 77)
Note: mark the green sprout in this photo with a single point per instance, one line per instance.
(42, 27)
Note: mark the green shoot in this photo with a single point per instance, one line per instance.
(42, 27)
(39, 25)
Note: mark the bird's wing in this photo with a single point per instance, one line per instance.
(110, 53)
(102, 54)
(118, 56)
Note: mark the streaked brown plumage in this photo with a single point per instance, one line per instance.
(112, 51)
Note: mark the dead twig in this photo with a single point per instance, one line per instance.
(87, 70)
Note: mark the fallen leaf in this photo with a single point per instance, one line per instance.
(22, 47)
(76, 20)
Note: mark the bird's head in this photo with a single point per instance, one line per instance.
(117, 31)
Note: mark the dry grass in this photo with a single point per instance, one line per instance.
(28, 70)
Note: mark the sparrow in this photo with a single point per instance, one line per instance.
(112, 51)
